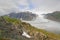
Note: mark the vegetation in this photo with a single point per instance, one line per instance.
(12, 29)
(12, 20)
(32, 28)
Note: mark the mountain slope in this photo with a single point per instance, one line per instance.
(28, 16)
(12, 29)
(54, 16)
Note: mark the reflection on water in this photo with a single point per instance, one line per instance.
(43, 23)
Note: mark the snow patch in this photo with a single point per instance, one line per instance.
(26, 35)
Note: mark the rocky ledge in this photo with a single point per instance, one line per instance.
(14, 29)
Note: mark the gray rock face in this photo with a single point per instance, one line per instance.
(55, 16)
(28, 16)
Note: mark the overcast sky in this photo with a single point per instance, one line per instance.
(38, 6)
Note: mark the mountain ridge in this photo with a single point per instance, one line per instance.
(55, 16)
(28, 16)
(12, 29)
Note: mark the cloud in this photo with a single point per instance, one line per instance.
(21, 4)
(40, 6)
(47, 5)
(31, 5)
(6, 5)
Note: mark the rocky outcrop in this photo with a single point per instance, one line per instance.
(12, 29)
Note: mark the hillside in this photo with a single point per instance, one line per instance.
(13, 29)
(28, 16)
(55, 16)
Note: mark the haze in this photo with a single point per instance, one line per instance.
(38, 6)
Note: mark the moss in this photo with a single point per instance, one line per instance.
(28, 27)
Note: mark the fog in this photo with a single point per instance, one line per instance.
(36, 6)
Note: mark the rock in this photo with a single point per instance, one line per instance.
(55, 16)
(28, 16)
(12, 29)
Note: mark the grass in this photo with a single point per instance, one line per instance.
(29, 28)
(12, 20)
(32, 28)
